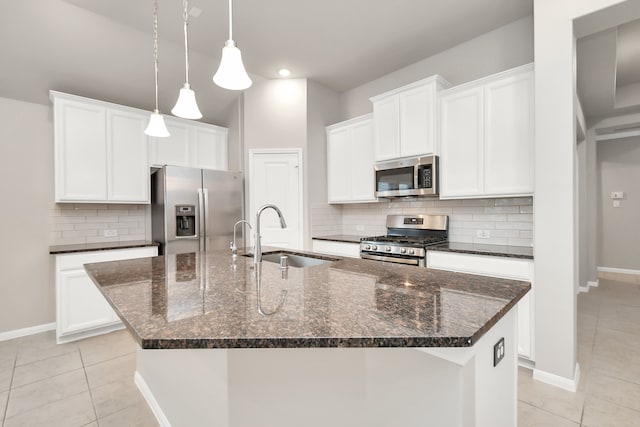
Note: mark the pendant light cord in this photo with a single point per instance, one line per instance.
(155, 47)
(230, 20)
(185, 16)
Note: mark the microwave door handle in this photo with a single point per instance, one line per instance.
(416, 176)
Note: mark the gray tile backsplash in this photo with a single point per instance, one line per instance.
(72, 223)
(509, 221)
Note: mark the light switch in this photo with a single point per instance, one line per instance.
(616, 195)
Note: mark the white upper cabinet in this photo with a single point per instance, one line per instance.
(486, 136)
(405, 119)
(191, 144)
(100, 152)
(350, 175)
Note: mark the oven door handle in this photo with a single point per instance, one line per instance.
(408, 261)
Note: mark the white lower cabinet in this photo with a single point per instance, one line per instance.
(81, 310)
(347, 249)
(503, 267)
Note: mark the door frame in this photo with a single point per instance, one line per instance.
(301, 203)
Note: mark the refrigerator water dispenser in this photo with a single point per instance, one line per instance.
(185, 220)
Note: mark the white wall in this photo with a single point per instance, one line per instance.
(554, 203)
(503, 48)
(26, 189)
(618, 166)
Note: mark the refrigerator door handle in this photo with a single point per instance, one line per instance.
(200, 221)
(205, 219)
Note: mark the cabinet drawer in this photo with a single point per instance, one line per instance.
(481, 264)
(76, 260)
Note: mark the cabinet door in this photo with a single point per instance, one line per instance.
(209, 148)
(81, 306)
(361, 164)
(386, 113)
(461, 143)
(80, 152)
(173, 150)
(509, 131)
(127, 163)
(416, 121)
(338, 165)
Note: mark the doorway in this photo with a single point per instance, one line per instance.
(275, 177)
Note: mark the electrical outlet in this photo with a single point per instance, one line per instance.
(110, 233)
(483, 234)
(359, 227)
(617, 195)
(616, 203)
(498, 351)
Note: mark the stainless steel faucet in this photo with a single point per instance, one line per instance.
(232, 245)
(257, 252)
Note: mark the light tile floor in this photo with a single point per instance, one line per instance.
(90, 382)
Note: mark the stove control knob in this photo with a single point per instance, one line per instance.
(374, 247)
(411, 251)
(403, 250)
(367, 247)
(388, 249)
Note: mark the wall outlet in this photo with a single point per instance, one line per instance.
(359, 227)
(617, 195)
(110, 233)
(616, 203)
(483, 234)
(498, 352)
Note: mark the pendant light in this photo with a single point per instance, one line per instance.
(231, 73)
(156, 126)
(186, 106)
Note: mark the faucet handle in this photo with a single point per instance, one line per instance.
(234, 249)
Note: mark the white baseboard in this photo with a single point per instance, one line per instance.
(593, 284)
(17, 333)
(558, 381)
(151, 400)
(618, 270)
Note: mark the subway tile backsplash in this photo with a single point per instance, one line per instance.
(509, 221)
(86, 223)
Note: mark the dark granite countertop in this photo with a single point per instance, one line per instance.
(103, 246)
(346, 238)
(194, 301)
(525, 252)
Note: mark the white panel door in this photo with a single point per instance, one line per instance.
(276, 178)
(509, 136)
(209, 148)
(84, 305)
(173, 150)
(127, 153)
(339, 165)
(416, 121)
(461, 120)
(80, 150)
(386, 113)
(362, 173)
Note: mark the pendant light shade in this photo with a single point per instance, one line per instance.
(231, 73)
(186, 106)
(156, 126)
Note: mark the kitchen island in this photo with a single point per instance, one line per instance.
(346, 343)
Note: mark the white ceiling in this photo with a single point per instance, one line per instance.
(608, 71)
(103, 48)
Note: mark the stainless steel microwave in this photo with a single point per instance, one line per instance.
(415, 176)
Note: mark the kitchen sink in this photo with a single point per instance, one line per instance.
(296, 259)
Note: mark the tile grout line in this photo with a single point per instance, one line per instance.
(13, 372)
(86, 378)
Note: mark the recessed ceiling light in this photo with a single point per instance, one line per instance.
(284, 72)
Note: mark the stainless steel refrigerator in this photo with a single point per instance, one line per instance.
(194, 210)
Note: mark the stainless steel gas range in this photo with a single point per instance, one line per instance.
(407, 239)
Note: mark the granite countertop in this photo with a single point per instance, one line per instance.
(525, 252)
(346, 238)
(194, 301)
(103, 246)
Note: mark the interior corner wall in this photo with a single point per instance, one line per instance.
(26, 187)
(322, 111)
(592, 208)
(583, 213)
(235, 136)
(618, 166)
(501, 49)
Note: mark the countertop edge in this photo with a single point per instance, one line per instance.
(486, 252)
(97, 247)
